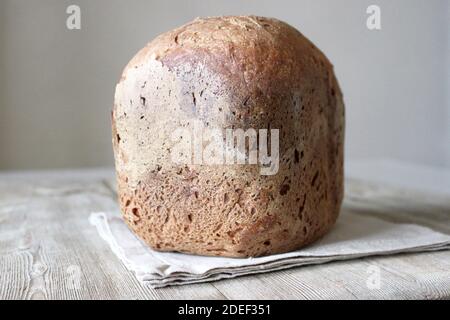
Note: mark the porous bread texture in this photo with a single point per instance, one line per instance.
(229, 72)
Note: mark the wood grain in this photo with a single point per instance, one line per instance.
(48, 250)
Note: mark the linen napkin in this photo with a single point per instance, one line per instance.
(356, 234)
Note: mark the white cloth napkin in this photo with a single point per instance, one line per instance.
(354, 235)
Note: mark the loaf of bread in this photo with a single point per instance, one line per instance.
(235, 72)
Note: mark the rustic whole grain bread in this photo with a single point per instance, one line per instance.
(229, 72)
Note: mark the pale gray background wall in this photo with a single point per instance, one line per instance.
(57, 85)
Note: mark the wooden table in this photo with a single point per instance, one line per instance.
(47, 245)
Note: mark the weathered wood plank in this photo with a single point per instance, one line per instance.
(201, 291)
(399, 205)
(424, 275)
(14, 275)
(48, 250)
(67, 259)
(404, 276)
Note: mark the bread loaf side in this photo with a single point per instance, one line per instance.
(228, 73)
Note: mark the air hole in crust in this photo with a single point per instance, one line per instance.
(302, 208)
(296, 156)
(135, 212)
(316, 175)
(284, 189)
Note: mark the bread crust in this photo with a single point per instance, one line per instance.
(229, 72)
